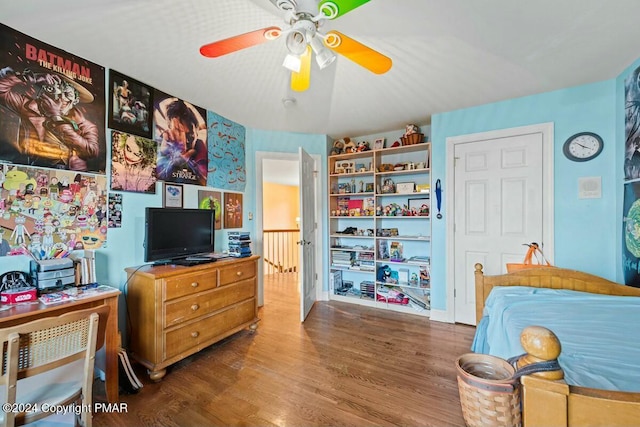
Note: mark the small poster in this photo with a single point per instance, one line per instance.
(133, 163)
(115, 210)
(129, 105)
(211, 200)
(233, 210)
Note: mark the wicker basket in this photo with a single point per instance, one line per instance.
(488, 395)
(414, 138)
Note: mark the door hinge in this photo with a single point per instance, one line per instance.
(454, 292)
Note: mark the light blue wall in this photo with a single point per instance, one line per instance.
(586, 230)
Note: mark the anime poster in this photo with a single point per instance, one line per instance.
(211, 200)
(48, 212)
(632, 126)
(52, 106)
(129, 105)
(133, 163)
(232, 210)
(180, 130)
(631, 234)
(226, 153)
(115, 210)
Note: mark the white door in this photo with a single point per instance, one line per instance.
(307, 241)
(499, 192)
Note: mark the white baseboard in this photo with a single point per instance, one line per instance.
(441, 316)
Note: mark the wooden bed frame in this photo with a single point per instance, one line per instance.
(554, 403)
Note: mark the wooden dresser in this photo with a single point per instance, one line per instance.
(176, 311)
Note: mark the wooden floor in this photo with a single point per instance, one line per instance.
(347, 365)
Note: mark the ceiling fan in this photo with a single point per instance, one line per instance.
(304, 38)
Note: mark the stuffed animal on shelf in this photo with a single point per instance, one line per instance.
(363, 146)
(383, 274)
(338, 147)
(411, 129)
(350, 146)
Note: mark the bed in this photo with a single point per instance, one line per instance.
(558, 402)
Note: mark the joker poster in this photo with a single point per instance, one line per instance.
(52, 106)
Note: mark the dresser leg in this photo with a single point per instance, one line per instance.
(156, 376)
(253, 327)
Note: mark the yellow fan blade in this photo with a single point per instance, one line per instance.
(300, 81)
(357, 52)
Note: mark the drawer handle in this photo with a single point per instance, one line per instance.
(239, 273)
(194, 285)
(195, 334)
(194, 307)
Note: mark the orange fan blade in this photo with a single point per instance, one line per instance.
(300, 81)
(357, 52)
(239, 42)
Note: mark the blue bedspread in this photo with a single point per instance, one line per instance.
(599, 334)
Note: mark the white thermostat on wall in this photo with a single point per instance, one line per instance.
(590, 187)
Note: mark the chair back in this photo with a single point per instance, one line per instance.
(42, 346)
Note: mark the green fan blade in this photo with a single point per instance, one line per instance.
(336, 8)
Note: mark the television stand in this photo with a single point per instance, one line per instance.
(176, 312)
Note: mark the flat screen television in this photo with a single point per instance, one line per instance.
(173, 234)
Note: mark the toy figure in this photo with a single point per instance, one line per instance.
(20, 231)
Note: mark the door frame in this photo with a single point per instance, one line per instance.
(258, 242)
(546, 129)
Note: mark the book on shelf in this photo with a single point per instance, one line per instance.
(383, 249)
(395, 252)
(422, 260)
(335, 280)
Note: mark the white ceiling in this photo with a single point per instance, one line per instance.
(447, 54)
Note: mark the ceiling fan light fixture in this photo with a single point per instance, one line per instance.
(292, 62)
(324, 57)
(296, 42)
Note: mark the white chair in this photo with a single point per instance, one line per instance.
(48, 363)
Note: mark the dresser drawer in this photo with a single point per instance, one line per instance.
(186, 284)
(245, 270)
(207, 302)
(198, 333)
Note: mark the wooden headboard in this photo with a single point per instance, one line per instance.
(547, 277)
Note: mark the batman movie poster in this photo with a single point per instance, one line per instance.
(180, 130)
(631, 234)
(52, 106)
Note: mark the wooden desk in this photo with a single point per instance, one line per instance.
(23, 313)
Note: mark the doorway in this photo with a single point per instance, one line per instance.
(279, 173)
(500, 197)
(281, 227)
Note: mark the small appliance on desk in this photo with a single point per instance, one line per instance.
(52, 274)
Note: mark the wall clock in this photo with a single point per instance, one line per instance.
(583, 146)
